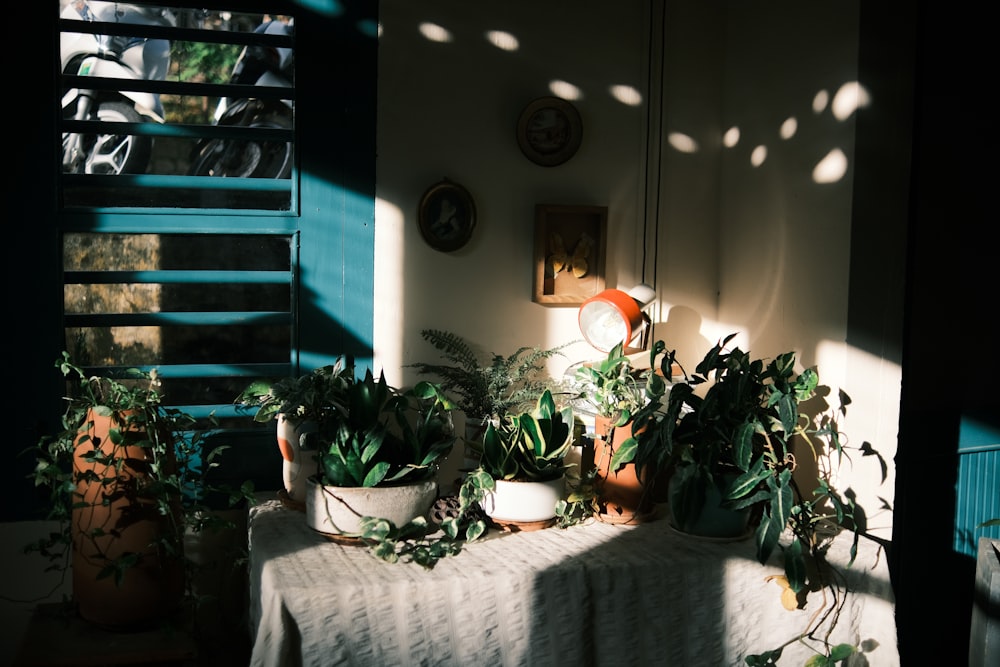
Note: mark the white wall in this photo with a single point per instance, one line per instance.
(450, 110)
(747, 237)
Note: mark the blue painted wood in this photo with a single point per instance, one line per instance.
(330, 225)
(977, 489)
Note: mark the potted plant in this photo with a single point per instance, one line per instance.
(521, 473)
(616, 392)
(378, 452)
(128, 480)
(529, 447)
(736, 447)
(298, 405)
(485, 390)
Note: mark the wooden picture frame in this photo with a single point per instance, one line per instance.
(570, 247)
(447, 216)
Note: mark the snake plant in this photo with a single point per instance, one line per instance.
(530, 446)
(378, 434)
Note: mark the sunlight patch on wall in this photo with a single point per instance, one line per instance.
(820, 100)
(682, 143)
(731, 137)
(435, 33)
(502, 40)
(389, 260)
(565, 90)
(849, 98)
(626, 95)
(872, 416)
(831, 168)
(789, 128)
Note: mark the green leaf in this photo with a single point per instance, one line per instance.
(624, 454)
(781, 496)
(842, 652)
(767, 535)
(475, 530)
(795, 565)
(376, 474)
(743, 446)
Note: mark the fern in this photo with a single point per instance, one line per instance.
(486, 389)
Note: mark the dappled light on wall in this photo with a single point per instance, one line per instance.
(502, 40)
(831, 168)
(820, 100)
(435, 33)
(682, 143)
(731, 137)
(758, 156)
(789, 128)
(849, 98)
(565, 90)
(626, 95)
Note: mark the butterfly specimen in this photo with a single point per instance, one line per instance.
(576, 263)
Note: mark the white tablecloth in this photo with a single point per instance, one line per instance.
(595, 594)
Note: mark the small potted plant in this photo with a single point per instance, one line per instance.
(522, 470)
(298, 405)
(617, 393)
(128, 479)
(379, 449)
(485, 390)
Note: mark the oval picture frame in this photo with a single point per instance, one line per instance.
(549, 131)
(447, 216)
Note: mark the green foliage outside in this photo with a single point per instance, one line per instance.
(198, 62)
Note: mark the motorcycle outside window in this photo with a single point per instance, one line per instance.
(166, 107)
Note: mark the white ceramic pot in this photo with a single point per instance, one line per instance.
(297, 463)
(338, 510)
(523, 502)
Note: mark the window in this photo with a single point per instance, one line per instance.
(206, 309)
(174, 107)
(175, 111)
(215, 247)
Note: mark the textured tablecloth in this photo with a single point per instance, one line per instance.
(594, 594)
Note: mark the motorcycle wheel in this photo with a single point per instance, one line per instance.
(237, 158)
(115, 153)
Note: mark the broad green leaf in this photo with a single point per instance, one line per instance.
(624, 454)
(766, 537)
(795, 565)
(841, 652)
(743, 446)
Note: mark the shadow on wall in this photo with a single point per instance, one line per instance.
(681, 331)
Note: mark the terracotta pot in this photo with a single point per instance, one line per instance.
(524, 504)
(338, 510)
(152, 589)
(298, 463)
(621, 497)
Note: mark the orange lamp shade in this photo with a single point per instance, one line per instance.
(609, 318)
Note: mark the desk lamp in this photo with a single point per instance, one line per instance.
(615, 316)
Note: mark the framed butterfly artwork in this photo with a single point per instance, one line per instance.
(570, 245)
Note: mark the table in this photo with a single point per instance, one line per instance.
(594, 594)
